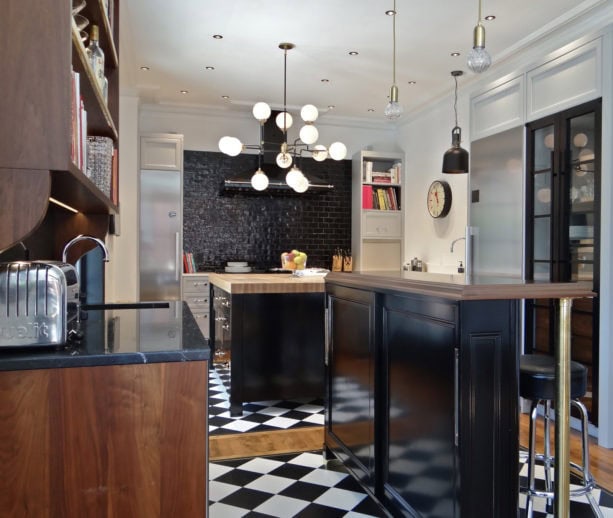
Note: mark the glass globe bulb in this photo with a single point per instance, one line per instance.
(338, 151)
(261, 111)
(284, 121)
(393, 110)
(478, 60)
(259, 180)
(309, 134)
(309, 113)
(230, 146)
(292, 178)
(320, 153)
(284, 160)
(301, 185)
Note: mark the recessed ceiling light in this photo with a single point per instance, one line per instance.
(331, 107)
(391, 12)
(371, 110)
(184, 92)
(217, 36)
(145, 69)
(455, 54)
(325, 80)
(209, 68)
(226, 97)
(490, 17)
(353, 52)
(412, 82)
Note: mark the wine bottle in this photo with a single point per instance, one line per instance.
(96, 56)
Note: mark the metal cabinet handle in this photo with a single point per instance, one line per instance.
(177, 255)
(326, 335)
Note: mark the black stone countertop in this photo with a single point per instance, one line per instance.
(120, 334)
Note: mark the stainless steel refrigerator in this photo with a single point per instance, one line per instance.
(160, 247)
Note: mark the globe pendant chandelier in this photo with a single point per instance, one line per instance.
(288, 153)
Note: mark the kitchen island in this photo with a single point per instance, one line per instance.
(271, 326)
(113, 425)
(422, 388)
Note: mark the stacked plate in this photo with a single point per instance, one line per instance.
(238, 267)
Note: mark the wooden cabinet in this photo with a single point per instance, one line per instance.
(196, 292)
(563, 228)
(416, 386)
(36, 126)
(119, 441)
(377, 211)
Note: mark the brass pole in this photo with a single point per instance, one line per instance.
(562, 413)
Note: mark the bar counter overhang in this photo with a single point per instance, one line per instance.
(460, 288)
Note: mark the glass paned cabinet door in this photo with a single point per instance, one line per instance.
(562, 229)
(582, 138)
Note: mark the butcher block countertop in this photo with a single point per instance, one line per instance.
(237, 283)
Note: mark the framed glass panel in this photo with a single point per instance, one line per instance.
(542, 271)
(544, 140)
(542, 239)
(542, 194)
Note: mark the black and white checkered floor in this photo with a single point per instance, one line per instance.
(300, 485)
(257, 416)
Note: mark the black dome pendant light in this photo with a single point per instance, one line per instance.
(455, 160)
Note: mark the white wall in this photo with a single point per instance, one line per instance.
(424, 140)
(122, 270)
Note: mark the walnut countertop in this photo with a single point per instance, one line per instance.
(461, 286)
(237, 283)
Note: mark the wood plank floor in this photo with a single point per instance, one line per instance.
(233, 446)
(601, 459)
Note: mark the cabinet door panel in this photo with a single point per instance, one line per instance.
(421, 403)
(351, 382)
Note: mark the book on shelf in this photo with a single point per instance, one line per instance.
(367, 171)
(367, 197)
(189, 264)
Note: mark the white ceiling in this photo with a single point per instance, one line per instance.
(174, 38)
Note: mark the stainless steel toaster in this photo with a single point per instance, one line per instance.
(37, 300)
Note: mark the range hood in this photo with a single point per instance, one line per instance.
(273, 138)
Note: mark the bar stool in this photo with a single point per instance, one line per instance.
(537, 383)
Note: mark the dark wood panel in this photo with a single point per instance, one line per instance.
(35, 100)
(105, 442)
(23, 203)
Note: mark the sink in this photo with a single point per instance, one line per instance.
(127, 305)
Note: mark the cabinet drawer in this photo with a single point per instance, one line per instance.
(382, 224)
(197, 300)
(195, 285)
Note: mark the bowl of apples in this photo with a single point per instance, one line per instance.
(294, 260)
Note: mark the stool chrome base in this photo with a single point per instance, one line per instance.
(548, 460)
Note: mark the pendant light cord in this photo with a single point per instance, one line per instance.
(284, 91)
(479, 20)
(394, 46)
(455, 100)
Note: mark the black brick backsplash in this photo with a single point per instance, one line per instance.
(221, 226)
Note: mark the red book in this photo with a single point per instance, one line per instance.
(367, 196)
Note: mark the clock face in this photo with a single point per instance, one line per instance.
(439, 199)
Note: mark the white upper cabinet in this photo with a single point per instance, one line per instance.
(161, 152)
(497, 109)
(567, 81)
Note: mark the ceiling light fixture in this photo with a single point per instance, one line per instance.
(353, 53)
(393, 110)
(479, 59)
(145, 69)
(455, 160)
(288, 152)
(209, 68)
(490, 17)
(455, 54)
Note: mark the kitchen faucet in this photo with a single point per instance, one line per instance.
(455, 241)
(82, 237)
(77, 332)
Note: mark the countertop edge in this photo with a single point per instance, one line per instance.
(245, 284)
(451, 286)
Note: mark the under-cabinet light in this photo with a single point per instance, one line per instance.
(63, 205)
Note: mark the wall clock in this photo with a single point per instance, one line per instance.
(439, 199)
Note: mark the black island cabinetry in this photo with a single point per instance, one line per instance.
(421, 398)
